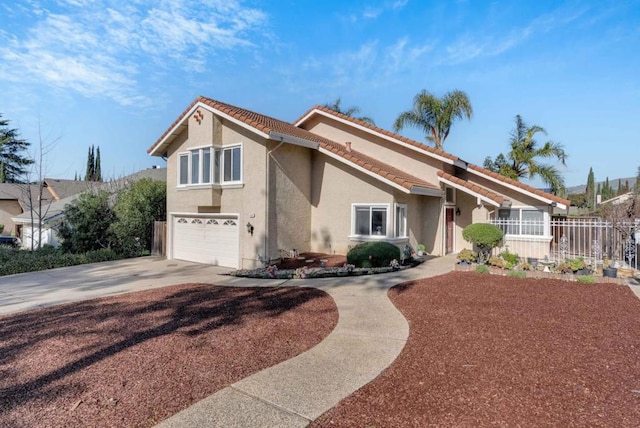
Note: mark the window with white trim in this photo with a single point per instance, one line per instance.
(401, 221)
(197, 166)
(524, 221)
(370, 220)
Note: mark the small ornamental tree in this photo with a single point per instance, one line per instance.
(484, 236)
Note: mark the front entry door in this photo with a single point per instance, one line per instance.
(449, 223)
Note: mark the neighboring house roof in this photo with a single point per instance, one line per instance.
(62, 188)
(53, 209)
(278, 130)
(473, 189)
(516, 185)
(619, 199)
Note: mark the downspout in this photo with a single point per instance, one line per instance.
(266, 205)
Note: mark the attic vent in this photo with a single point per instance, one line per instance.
(198, 116)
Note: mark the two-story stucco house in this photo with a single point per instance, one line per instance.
(243, 188)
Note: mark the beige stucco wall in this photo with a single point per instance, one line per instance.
(8, 209)
(411, 161)
(247, 200)
(290, 198)
(336, 187)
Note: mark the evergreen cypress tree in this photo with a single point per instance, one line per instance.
(636, 187)
(589, 190)
(2, 178)
(599, 192)
(88, 175)
(620, 188)
(97, 169)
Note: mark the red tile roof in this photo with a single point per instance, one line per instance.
(499, 199)
(266, 124)
(520, 185)
(374, 128)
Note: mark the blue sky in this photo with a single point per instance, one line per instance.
(117, 73)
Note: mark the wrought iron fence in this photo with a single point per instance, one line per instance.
(590, 238)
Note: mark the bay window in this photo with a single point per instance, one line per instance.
(197, 166)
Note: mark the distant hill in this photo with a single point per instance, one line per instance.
(612, 182)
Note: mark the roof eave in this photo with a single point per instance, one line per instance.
(286, 138)
(374, 132)
(469, 191)
(426, 191)
(548, 201)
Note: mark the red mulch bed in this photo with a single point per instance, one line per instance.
(497, 351)
(136, 359)
(332, 260)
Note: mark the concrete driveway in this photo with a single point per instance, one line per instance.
(54, 286)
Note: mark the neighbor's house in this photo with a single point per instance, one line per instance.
(39, 223)
(244, 188)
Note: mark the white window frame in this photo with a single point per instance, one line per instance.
(215, 180)
(386, 207)
(546, 222)
(402, 207)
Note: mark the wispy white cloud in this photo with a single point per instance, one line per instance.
(100, 48)
(372, 64)
(470, 46)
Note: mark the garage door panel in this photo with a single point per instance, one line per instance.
(206, 240)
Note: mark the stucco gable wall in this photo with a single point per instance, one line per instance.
(336, 186)
(414, 163)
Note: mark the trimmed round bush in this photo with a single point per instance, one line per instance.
(373, 254)
(485, 236)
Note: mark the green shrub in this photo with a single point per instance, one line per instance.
(468, 256)
(564, 267)
(496, 261)
(576, 264)
(373, 254)
(526, 266)
(517, 274)
(586, 279)
(482, 269)
(510, 258)
(484, 236)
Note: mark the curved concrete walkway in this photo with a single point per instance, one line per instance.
(370, 334)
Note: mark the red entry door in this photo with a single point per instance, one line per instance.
(449, 220)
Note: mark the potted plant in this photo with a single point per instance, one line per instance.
(420, 249)
(608, 271)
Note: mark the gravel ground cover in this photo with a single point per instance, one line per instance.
(136, 359)
(488, 350)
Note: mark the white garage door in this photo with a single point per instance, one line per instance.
(206, 239)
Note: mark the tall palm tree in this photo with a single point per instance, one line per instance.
(522, 159)
(352, 111)
(435, 115)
